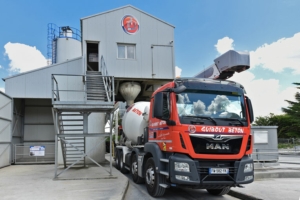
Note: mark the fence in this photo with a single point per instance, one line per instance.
(289, 144)
(34, 153)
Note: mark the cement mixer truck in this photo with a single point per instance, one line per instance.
(194, 132)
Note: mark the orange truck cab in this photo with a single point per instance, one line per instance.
(202, 127)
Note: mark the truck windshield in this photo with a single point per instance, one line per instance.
(225, 106)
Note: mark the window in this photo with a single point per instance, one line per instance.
(221, 108)
(166, 106)
(126, 51)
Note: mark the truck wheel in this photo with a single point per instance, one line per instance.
(219, 192)
(134, 171)
(153, 179)
(121, 163)
(117, 161)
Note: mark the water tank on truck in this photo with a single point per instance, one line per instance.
(135, 120)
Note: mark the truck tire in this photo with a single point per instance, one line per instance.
(134, 171)
(117, 161)
(121, 163)
(153, 179)
(219, 192)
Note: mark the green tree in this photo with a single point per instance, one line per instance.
(293, 110)
(284, 122)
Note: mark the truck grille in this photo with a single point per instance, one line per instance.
(231, 146)
(203, 170)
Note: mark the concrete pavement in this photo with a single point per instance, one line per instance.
(36, 182)
(22, 182)
(273, 182)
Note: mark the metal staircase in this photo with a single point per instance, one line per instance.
(95, 86)
(74, 98)
(72, 122)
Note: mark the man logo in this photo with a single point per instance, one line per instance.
(217, 137)
(217, 146)
(130, 24)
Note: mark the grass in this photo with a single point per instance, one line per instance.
(286, 145)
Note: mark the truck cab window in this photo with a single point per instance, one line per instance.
(216, 105)
(166, 106)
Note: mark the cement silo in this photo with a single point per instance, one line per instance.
(64, 43)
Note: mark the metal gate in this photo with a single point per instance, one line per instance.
(5, 129)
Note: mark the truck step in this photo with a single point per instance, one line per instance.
(71, 120)
(71, 125)
(164, 173)
(164, 185)
(164, 160)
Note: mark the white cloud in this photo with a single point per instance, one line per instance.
(265, 95)
(0, 67)
(225, 44)
(2, 89)
(177, 71)
(279, 55)
(24, 57)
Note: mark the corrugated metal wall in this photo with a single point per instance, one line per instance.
(5, 129)
(37, 84)
(38, 121)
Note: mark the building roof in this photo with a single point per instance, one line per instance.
(41, 68)
(127, 6)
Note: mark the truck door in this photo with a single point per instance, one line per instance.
(159, 131)
(5, 129)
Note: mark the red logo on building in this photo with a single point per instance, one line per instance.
(130, 24)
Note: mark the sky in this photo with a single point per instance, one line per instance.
(269, 30)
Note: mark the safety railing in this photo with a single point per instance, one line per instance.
(35, 153)
(107, 80)
(68, 88)
(55, 31)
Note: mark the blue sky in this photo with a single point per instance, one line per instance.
(267, 29)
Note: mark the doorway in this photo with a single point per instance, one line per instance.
(92, 52)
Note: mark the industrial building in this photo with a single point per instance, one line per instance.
(57, 111)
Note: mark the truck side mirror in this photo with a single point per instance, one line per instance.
(250, 110)
(160, 106)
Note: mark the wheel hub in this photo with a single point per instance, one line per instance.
(150, 178)
(134, 168)
(121, 161)
(117, 161)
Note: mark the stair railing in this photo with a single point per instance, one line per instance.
(108, 82)
(55, 90)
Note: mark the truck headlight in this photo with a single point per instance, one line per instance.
(248, 167)
(182, 167)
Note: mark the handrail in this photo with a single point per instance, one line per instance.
(57, 90)
(108, 82)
